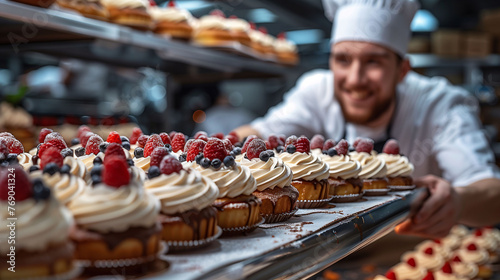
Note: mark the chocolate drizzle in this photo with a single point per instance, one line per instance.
(193, 218)
(275, 194)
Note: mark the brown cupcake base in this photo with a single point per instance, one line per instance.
(400, 181)
(241, 230)
(307, 204)
(311, 190)
(277, 200)
(189, 226)
(341, 187)
(238, 212)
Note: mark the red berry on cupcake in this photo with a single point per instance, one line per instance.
(169, 164)
(195, 149)
(114, 149)
(165, 138)
(247, 142)
(229, 146)
(411, 262)
(232, 138)
(273, 141)
(115, 173)
(43, 133)
(447, 268)
(51, 155)
(23, 188)
(14, 146)
(330, 143)
(215, 148)
(256, 147)
(153, 142)
(219, 135)
(342, 147)
(157, 155)
(53, 135)
(85, 138)
(198, 134)
(317, 142)
(136, 132)
(290, 140)
(303, 145)
(429, 251)
(93, 145)
(391, 147)
(188, 145)
(456, 259)
(391, 275)
(141, 141)
(364, 145)
(178, 142)
(82, 130)
(114, 137)
(429, 276)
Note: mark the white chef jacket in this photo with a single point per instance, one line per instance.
(435, 123)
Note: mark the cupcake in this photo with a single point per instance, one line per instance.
(344, 183)
(447, 273)
(464, 269)
(399, 168)
(25, 160)
(310, 173)
(116, 219)
(436, 246)
(261, 41)
(471, 253)
(408, 270)
(212, 30)
(186, 199)
(132, 13)
(42, 247)
(426, 258)
(373, 169)
(88, 8)
(239, 28)
(274, 182)
(485, 242)
(237, 208)
(172, 21)
(286, 51)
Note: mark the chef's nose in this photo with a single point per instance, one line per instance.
(356, 75)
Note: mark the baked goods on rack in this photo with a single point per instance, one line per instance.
(88, 8)
(132, 13)
(286, 50)
(212, 30)
(239, 29)
(399, 168)
(172, 21)
(373, 169)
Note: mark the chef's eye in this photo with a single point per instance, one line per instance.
(341, 59)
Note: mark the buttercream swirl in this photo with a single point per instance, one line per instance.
(479, 256)
(397, 165)
(372, 167)
(437, 248)
(25, 160)
(439, 275)
(405, 271)
(489, 244)
(459, 230)
(107, 209)
(238, 24)
(142, 163)
(429, 262)
(170, 14)
(306, 166)
(342, 166)
(39, 224)
(212, 22)
(468, 270)
(231, 181)
(122, 4)
(78, 168)
(184, 191)
(64, 186)
(451, 242)
(283, 45)
(269, 174)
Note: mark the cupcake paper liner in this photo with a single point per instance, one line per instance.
(178, 246)
(402, 188)
(72, 274)
(241, 230)
(376, 192)
(347, 197)
(306, 204)
(276, 218)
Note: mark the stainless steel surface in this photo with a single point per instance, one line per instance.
(311, 254)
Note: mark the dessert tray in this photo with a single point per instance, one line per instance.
(276, 218)
(177, 246)
(306, 243)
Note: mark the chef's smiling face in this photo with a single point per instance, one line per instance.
(365, 79)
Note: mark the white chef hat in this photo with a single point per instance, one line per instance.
(384, 22)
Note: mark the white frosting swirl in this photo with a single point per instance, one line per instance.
(437, 248)
(65, 187)
(397, 165)
(212, 22)
(489, 244)
(231, 181)
(468, 270)
(306, 166)
(238, 24)
(439, 275)
(459, 230)
(429, 262)
(283, 45)
(451, 242)
(78, 167)
(142, 163)
(25, 160)
(342, 166)
(479, 256)
(406, 271)
(122, 4)
(39, 224)
(372, 167)
(180, 192)
(170, 14)
(269, 174)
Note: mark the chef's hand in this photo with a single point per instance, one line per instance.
(438, 213)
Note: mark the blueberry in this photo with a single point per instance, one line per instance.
(332, 152)
(280, 149)
(67, 152)
(40, 191)
(80, 151)
(96, 170)
(130, 162)
(264, 156)
(103, 146)
(229, 161)
(51, 168)
(169, 147)
(153, 172)
(12, 159)
(270, 153)
(237, 151)
(291, 149)
(182, 157)
(325, 152)
(124, 139)
(126, 145)
(75, 141)
(139, 152)
(34, 168)
(34, 159)
(205, 163)
(198, 158)
(216, 163)
(96, 179)
(66, 169)
(97, 160)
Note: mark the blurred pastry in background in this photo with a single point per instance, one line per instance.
(132, 13)
(239, 28)
(88, 8)
(286, 50)
(212, 30)
(173, 21)
(18, 122)
(39, 3)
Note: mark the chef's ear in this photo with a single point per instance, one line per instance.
(404, 68)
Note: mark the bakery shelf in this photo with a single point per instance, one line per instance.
(64, 33)
(431, 61)
(297, 249)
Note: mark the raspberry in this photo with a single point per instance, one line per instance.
(478, 232)
(411, 262)
(53, 135)
(188, 144)
(157, 155)
(93, 145)
(14, 146)
(178, 142)
(136, 132)
(247, 142)
(215, 149)
(472, 247)
(196, 147)
(141, 141)
(219, 135)
(391, 147)
(447, 268)
(364, 145)
(229, 146)
(429, 276)
(234, 134)
(114, 137)
(23, 185)
(268, 145)
(282, 139)
(115, 173)
(273, 141)
(51, 155)
(232, 138)
(85, 138)
(303, 145)
(6, 134)
(114, 149)
(217, 13)
(165, 138)
(82, 130)
(256, 147)
(429, 251)
(356, 141)
(390, 275)
(43, 133)
(456, 259)
(57, 143)
(342, 147)
(200, 133)
(330, 143)
(203, 137)
(4, 151)
(317, 141)
(169, 164)
(172, 134)
(153, 142)
(291, 140)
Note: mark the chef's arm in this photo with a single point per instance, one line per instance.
(246, 130)
(480, 203)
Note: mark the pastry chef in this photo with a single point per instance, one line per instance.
(370, 91)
